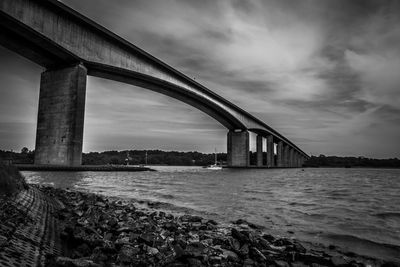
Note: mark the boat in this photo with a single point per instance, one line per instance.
(214, 166)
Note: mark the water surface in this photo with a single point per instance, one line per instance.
(354, 209)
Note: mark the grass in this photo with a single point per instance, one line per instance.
(11, 180)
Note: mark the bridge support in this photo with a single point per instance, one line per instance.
(279, 155)
(285, 157)
(291, 157)
(238, 149)
(270, 151)
(61, 113)
(259, 146)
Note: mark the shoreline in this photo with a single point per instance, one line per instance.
(94, 230)
(97, 168)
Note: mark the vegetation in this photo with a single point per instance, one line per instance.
(154, 157)
(11, 180)
(158, 157)
(136, 157)
(333, 161)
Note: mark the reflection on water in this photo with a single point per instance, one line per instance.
(353, 208)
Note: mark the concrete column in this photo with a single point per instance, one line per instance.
(61, 113)
(279, 155)
(259, 150)
(285, 156)
(270, 151)
(291, 165)
(238, 149)
(296, 159)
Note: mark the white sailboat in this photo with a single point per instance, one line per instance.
(215, 166)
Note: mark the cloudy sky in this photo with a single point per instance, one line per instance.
(326, 74)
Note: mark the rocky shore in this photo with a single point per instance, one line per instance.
(97, 231)
(45, 226)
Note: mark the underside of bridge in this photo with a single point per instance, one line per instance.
(70, 47)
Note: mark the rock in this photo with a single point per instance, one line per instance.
(248, 263)
(263, 244)
(122, 241)
(339, 261)
(171, 226)
(282, 242)
(68, 262)
(240, 236)
(151, 239)
(229, 255)
(127, 253)
(268, 237)
(244, 250)
(152, 251)
(108, 247)
(215, 260)
(212, 222)
(179, 252)
(98, 255)
(235, 244)
(280, 263)
(113, 222)
(100, 204)
(257, 255)
(124, 229)
(299, 247)
(83, 249)
(195, 249)
(298, 264)
(194, 262)
(108, 236)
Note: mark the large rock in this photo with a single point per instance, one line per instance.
(68, 262)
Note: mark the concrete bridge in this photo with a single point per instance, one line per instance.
(70, 46)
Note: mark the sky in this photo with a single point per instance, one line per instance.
(325, 74)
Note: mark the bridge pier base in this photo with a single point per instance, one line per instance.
(238, 149)
(61, 113)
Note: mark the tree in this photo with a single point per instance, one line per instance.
(24, 150)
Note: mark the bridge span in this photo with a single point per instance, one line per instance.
(70, 46)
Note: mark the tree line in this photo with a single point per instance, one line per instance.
(159, 157)
(132, 157)
(348, 162)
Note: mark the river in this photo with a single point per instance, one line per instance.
(354, 209)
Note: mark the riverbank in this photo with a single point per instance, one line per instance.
(92, 168)
(81, 229)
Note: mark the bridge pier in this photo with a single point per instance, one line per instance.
(279, 154)
(270, 151)
(61, 113)
(259, 146)
(285, 156)
(238, 148)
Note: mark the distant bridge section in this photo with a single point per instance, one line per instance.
(71, 46)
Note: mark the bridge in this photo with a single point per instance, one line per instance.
(70, 46)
